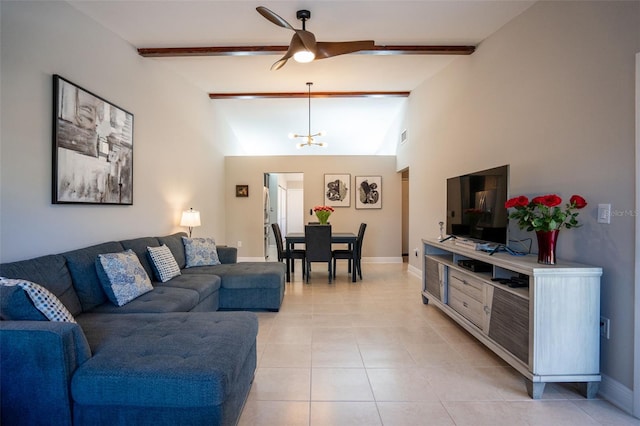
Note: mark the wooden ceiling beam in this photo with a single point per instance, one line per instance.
(172, 52)
(293, 95)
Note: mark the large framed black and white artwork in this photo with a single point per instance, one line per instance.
(368, 192)
(92, 148)
(337, 190)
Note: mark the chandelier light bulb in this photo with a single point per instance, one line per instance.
(292, 136)
(299, 145)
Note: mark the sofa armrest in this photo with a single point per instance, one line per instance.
(227, 254)
(38, 359)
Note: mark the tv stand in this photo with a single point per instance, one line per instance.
(547, 328)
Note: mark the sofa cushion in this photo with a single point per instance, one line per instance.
(227, 254)
(122, 276)
(41, 299)
(161, 299)
(175, 244)
(165, 360)
(139, 247)
(15, 305)
(204, 285)
(82, 267)
(164, 264)
(200, 251)
(49, 271)
(245, 274)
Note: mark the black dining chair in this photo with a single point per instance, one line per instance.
(317, 240)
(353, 256)
(282, 253)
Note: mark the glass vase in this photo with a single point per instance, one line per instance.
(323, 217)
(547, 246)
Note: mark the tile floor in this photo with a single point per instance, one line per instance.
(370, 353)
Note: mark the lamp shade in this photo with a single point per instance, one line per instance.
(190, 218)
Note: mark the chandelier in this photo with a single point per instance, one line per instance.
(308, 138)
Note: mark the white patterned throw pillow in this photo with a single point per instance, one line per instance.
(164, 264)
(122, 276)
(200, 251)
(43, 300)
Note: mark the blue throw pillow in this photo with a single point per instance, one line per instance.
(122, 276)
(22, 300)
(200, 251)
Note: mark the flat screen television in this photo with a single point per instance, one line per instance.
(475, 205)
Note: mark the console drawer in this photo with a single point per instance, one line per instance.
(466, 284)
(467, 306)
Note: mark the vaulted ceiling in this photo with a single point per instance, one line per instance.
(354, 126)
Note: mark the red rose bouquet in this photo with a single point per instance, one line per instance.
(323, 213)
(543, 213)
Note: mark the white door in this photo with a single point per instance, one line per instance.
(282, 210)
(295, 213)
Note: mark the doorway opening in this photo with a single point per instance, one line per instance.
(284, 205)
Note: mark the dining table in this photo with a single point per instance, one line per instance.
(293, 238)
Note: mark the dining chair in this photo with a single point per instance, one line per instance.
(353, 256)
(317, 240)
(282, 253)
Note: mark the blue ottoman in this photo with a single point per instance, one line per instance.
(165, 369)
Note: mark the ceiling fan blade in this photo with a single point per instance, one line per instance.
(334, 48)
(308, 40)
(274, 18)
(279, 63)
(295, 45)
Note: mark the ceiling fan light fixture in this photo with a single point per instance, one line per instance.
(304, 56)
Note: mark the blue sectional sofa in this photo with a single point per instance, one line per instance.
(164, 358)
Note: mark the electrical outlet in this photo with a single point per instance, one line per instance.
(239, 244)
(605, 327)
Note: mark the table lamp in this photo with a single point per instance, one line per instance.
(190, 219)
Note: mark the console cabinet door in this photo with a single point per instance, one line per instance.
(509, 323)
(433, 278)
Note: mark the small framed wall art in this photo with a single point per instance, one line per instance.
(242, 190)
(368, 192)
(92, 148)
(337, 190)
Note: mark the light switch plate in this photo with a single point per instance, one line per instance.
(604, 213)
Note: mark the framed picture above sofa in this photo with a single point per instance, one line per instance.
(92, 148)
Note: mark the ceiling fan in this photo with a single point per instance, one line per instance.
(304, 47)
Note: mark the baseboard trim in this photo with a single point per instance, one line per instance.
(382, 259)
(417, 272)
(617, 394)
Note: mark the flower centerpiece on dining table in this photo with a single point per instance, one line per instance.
(544, 215)
(323, 213)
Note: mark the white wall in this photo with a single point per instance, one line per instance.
(178, 159)
(551, 94)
